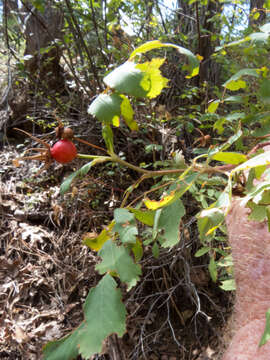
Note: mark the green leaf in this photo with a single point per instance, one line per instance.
(202, 251)
(106, 108)
(139, 80)
(234, 85)
(127, 232)
(230, 157)
(122, 216)
(116, 258)
(107, 135)
(235, 82)
(264, 91)
(127, 79)
(125, 226)
(194, 63)
(212, 108)
(96, 242)
(212, 267)
(104, 315)
(208, 221)
(144, 216)
(266, 335)
(227, 144)
(181, 187)
(137, 250)
(81, 172)
(169, 223)
(259, 160)
(155, 250)
(228, 285)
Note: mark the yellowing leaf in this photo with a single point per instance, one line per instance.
(95, 242)
(154, 204)
(128, 113)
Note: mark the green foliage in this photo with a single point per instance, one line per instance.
(266, 334)
(104, 314)
(208, 179)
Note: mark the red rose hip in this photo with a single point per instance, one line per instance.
(63, 151)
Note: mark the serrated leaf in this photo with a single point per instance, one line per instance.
(139, 80)
(104, 314)
(154, 82)
(230, 157)
(202, 251)
(228, 285)
(127, 232)
(106, 107)
(81, 172)
(194, 63)
(144, 216)
(169, 222)
(266, 334)
(212, 267)
(107, 135)
(117, 258)
(127, 79)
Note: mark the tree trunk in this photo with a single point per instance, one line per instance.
(42, 53)
(256, 6)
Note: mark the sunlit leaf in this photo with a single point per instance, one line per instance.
(128, 113)
(230, 157)
(228, 285)
(155, 79)
(106, 107)
(139, 80)
(212, 108)
(194, 63)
